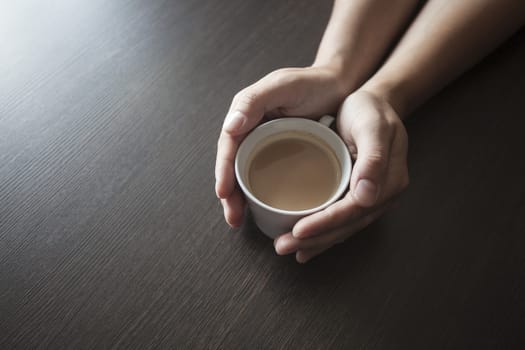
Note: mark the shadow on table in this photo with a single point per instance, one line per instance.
(342, 262)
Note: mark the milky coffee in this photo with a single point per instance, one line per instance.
(293, 171)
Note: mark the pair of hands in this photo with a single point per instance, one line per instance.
(372, 130)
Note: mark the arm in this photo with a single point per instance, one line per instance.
(446, 38)
(355, 41)
(358, 35)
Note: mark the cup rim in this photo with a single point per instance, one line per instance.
(345, 177)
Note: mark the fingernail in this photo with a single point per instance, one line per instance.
(280, 247)
(366, 192)
(234, 121)
(300, 258)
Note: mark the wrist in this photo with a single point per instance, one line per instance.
(336, 69)
(392, 92)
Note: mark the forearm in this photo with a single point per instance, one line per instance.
(359, 34)
(445, 39)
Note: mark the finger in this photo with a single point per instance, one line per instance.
(290, 244)
(233, 207)
(398, 178)
(224, 164)
(305, 255)
(274, 91)
(373, 137)
(284, 244)
(340, 213)
(341, 234)
(369, 173)
(248, 108)
(287, 244)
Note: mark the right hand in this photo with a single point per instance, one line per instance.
(304, 92)
(378, 142)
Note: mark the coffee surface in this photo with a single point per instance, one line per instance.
(294, 171)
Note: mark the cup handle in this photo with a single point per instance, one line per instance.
(326, 120)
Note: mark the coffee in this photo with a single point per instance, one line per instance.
(293, 171)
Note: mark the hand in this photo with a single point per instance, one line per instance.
(377, 140)
(305, 92)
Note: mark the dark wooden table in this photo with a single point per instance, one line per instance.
(111, 235)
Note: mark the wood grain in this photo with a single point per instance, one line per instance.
(111, 235)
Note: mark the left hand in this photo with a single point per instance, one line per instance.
(306, 92)
(378, 143)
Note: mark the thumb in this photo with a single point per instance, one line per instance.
(250, 104)
(370, 170)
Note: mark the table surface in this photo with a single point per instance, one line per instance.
(111, 235)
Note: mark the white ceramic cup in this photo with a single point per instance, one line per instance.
(273, 221)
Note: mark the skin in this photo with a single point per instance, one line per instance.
(443, 40)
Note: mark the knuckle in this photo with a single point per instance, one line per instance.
(393, 120)
(385, 126)
(330, 214)
(283, 76)
(375, 159)
(338, 212)
(237, 96)
(375, 156)
(246, 97)
(280, 72)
